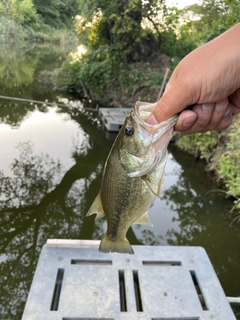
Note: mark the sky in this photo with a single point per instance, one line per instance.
(181, 3)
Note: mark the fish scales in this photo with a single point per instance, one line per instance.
(127, 203)
(132, 176)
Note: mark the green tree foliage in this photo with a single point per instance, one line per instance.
(56, 13)
(116, 35)
(197, 24)
(227, 162)
(35, 13)
(21, 11)
(130, 28)
(211, 18)
(177, 39)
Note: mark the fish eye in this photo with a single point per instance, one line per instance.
(129, 131)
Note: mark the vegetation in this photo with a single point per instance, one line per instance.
(36, 20)
(221, 151)
(124, 50)
(120, 43)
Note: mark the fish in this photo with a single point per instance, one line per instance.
(132, 176)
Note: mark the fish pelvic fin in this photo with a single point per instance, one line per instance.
(144, 219)
(96, 208)
(155, 187)
(107, 245)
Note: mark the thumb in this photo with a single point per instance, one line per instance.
(174, 100)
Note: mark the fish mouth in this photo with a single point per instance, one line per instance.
(156, 138)
(142, 112)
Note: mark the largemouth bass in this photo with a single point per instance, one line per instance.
(132, 176)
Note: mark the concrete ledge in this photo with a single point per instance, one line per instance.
(74, 281)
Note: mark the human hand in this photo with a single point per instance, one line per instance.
(208, 80)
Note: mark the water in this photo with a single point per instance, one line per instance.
(51, 164)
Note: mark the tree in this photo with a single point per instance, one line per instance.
(213, 18)
(130, 28)
(21, 11)
(56, 13)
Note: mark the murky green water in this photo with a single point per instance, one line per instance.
(51, 160)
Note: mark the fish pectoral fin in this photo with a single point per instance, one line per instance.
(144, 219)
(96, 208)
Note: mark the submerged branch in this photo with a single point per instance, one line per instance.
(222, 191)
(43, 102)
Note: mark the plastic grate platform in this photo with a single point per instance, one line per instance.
(73, 281)
(113, 118)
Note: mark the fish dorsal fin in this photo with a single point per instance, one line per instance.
(144, 219)
(96, 208)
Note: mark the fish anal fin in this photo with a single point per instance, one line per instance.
(96, 208)
(107, 245)
(144, 219)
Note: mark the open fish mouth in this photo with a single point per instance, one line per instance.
(142, 112)
(154, 140)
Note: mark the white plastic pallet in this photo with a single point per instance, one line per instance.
(113, 118)
(74, 281)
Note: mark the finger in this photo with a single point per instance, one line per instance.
(209, 116)
(186, 120)
(225, 121)
(234, 100)
(203, 114)
(172, 102)
(220, 109)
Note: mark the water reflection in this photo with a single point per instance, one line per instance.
(204, 220)
(51, 165)
(49, 181)
(43, 199)
(16, 70)
(19, 64)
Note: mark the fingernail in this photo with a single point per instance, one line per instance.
(221, 105)
(227, 112)
(188, 121)
(207, 106)
(152, 120)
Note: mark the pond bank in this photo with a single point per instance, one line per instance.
(221, 151)
(50, 175)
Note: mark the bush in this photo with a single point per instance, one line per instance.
(221, 151)
(200, 145)
(226, 161)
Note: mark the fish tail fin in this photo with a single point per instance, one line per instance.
(108, 245)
